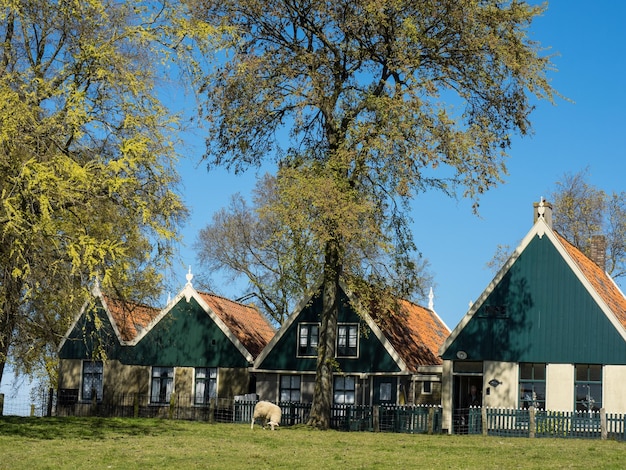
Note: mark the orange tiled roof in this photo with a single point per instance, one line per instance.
(244, 321)
(129, 317)
(601, 282)
(416, 333)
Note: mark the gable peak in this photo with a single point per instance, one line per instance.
(543, 210)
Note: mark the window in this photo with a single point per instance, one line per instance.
(588, 387)
(344, 391)
(308, 334)
(206, 385)
(385, 391)
(532, 384)
(162, 384)
(92, 380)
(427, 387)
(347, 336)
(290, 388)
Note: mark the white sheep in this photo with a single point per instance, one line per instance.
(267, 411)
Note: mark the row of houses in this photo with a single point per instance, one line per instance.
(549, 331)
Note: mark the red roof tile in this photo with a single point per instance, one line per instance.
(248, 325)
(416, 333)
(601, 282)
(129, 317)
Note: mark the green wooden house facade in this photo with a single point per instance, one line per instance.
(390, 360)
(199, 347)
(549, 331)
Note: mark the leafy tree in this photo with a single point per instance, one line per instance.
(87, 179)
(252, 242)
(582, 211)
(259, 243)
(365, 104)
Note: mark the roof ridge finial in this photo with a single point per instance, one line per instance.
(431, 296)
(541, 210)
(189, 276)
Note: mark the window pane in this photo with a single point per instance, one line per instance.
(539, 371)
(353, 337)
(303, 335)
(595, 372)
(285, 381)
(341, 336)
(349, 385)
(339, 383)
(314, 334)
(468, 366)
(385, 392)
(582, 372)
(526, 371)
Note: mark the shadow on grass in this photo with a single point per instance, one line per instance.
(83, 428)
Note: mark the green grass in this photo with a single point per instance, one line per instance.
(94, 443)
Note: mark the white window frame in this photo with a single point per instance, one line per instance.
(291, 388)
(157, 388)
(88, 377)
(350, 339)
(204, 376)
(307, 339)
(344, 389)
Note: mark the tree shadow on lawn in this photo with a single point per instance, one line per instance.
(83, 428)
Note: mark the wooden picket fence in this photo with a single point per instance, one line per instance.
(540, 423)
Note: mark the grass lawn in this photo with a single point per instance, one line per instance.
(97, 443)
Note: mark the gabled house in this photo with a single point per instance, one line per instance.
(384, 359)
(199, 347)
(549, 331)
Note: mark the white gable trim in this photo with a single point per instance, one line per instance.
(365, 316)
(96, 294)
(283, 328)
(539, 229)
(590, 289)
(187, 294)
(378, 332)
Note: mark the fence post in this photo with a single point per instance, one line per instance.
(483, 420)
(136, 405)
(376, 418)
(50, 398)
(531, 422)
(603, 426)
(431, 420)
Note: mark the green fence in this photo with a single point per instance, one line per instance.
(539, 423)
(406, 419)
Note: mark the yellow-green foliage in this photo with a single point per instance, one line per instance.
(87, 155)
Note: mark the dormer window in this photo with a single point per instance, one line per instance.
(308, 337)
(347, 340)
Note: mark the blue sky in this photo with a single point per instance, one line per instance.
(589, 41)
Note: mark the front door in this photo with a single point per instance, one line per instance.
(468, 390)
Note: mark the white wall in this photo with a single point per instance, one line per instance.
(614, 389)
(505, 394)
(560, 387)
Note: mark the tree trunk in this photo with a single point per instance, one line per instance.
(323, 391)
